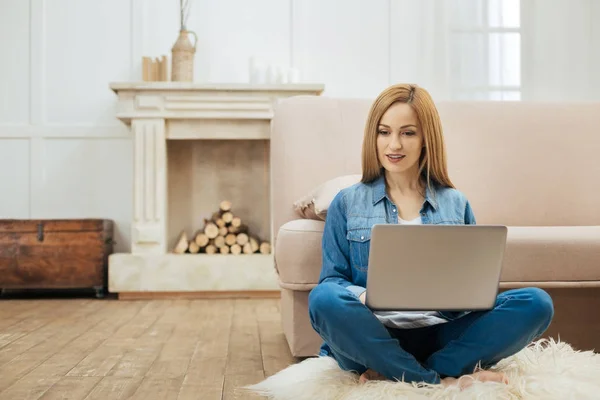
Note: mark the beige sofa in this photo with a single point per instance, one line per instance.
(533, 167)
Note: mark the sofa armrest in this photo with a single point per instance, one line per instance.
(298, 255)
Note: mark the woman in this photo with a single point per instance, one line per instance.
(405, 180)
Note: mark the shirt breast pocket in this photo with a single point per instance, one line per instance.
(360, 241)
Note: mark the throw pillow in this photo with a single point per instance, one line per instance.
(315, 204)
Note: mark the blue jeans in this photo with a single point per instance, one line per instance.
(358, 340)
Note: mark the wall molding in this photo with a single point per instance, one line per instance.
(37, 62)
(37, 131)
(63, 132)
(37, 100)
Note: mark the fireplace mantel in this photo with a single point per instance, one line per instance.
(180, 100)
(157, 112)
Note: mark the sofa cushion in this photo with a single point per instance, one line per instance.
(298, 253)
(550, 254)
(533, 254)
(314, 205)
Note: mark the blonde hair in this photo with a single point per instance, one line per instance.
(432, 164)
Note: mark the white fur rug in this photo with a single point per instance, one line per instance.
(544, 370)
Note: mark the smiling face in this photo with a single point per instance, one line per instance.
(399, 140)
(404, 121)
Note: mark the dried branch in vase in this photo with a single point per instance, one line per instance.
(184, 13)
(183, 50)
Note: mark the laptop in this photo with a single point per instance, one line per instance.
(435, 267)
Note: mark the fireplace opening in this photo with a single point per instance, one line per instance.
(218, 198)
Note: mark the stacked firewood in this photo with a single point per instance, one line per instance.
(223, 233)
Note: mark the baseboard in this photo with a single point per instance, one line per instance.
(239, 294)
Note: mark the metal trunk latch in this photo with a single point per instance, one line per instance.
(40, 235)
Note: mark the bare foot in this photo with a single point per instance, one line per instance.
(370, 375)
(482, 376)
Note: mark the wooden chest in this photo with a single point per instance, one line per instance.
(55, 254)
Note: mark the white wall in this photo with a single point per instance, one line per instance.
(355, 47)
(561, 50)
(64, 155)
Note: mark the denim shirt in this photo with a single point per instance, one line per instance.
(353, 212)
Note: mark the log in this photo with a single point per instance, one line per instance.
(219, 241)
(236, 221)
(240, 229)
(223, 231)
(201, 239)
(265, 248)
(193, 247)
(224, 250)
(211, 230)
(254, 244)
(247, 249)
(236, 249)
(182, 243)
(241, 239)
(211, 249)
(227, 217)
(220, 222)
(216, 216)
(225, 205)
(230, 239)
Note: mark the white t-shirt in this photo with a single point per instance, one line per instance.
(416, 221)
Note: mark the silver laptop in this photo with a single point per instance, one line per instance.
(435, 267)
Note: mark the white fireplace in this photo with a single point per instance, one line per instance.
(195, 145)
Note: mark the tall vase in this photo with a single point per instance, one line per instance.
(182, 59)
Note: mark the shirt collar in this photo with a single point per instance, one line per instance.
(379, 192)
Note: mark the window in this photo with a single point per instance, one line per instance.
(485, 49)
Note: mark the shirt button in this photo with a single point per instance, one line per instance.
(362, 237)
(394, 210)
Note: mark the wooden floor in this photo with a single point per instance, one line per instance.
(145, 349)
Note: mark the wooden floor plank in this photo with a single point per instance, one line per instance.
(49, 341)
(11, 307)
(275, 351)
(206, 371)
(144, 321)
(58, 365)
(34, 320)
(244, 360)
(147, 349)
(137, 361)
(61, 363)
(74, 387)
(15, 311)
(212, 391)
(114, 388)
(158, 388)
(37, 327)
(234, 385)
(30, 387)
(110, 352)
(175, 355)
(244, 341)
